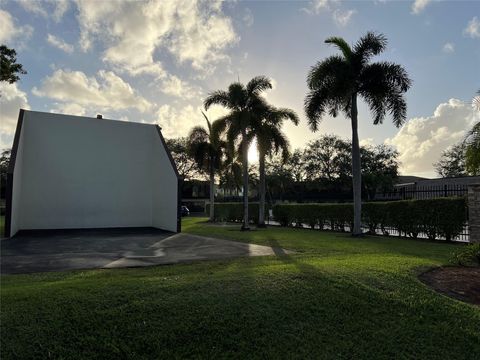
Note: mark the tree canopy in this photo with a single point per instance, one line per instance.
(9, 68)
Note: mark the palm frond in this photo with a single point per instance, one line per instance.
(219, 125)
(342, 46)
(369, 45)
(382, 86)
(208, 122)
(198, 134)
(286, 114)
(326, 70)
(258, 84)
(238, 95)
(476, 100)
(315, 106)
(218, 97)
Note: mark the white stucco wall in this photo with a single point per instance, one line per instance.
(165, 192)
(79, 172)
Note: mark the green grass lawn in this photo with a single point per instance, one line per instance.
(335, 297)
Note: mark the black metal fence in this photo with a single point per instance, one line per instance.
(423, 192)
(410, 192)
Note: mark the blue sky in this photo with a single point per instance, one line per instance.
(156, 61)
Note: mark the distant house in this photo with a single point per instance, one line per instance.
(196, 195)
(78, 172)
(421, 188)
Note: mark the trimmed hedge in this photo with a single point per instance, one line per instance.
(233, 212)
(440, 217)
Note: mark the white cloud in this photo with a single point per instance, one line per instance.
(448, 48)
(109, 91)
(367, 142)
(35, 7)
(69, 109)
(419, 5)
(421, 140)
(54, 8)
(473, 28)
(342, 18)
(59, 43)
(193, 31)
(61, 7)
(248, 17)
(178, 122)
(317, 6)
(12, 99)
(9, 31)
(172, 85)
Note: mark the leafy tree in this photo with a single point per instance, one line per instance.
(278, 176)
(325, 158)
(452, 162)
(472, 150)
(281, 176)
(270, 140)
(9, 68)
(231, 174)
(379, 168)
(4, 161)
(296, 165)
(206, 148)
(336, 82)
(328, 160)
(245, 104)
(186, 166)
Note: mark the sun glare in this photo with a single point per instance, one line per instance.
(252, 152)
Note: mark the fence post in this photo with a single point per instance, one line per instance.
(474, 212)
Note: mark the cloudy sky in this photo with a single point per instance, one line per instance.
(154, 62)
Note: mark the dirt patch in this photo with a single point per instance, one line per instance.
(461, 283)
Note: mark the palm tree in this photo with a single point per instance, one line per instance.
(244, 103)
(472, 143)
(476, 100)
(207, 149)
(336, 82)
(231, 174)
(271, 140)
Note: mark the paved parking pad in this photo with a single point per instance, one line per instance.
(41, 251)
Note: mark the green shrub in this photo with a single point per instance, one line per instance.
(233, 212)
(468, 256)
(433, 217)
(336, 215)
(452, 216)
(375, 215)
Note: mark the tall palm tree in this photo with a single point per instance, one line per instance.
(245, 103)
(231, 174)
(472, 143)
(207, 149)
(271, 140)
(472, 150)
(476, 100)
(336, 82)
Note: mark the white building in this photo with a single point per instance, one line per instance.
(72, 172)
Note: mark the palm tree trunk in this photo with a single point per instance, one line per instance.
(261, 206)
(212, 194)
(245, 225)
(356, 171)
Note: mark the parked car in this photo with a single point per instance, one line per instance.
(185, 211)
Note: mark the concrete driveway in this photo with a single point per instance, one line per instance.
(113, 248)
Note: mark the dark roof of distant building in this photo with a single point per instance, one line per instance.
(406, 179)
(461, 180)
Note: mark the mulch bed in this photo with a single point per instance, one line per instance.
(461, 283)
